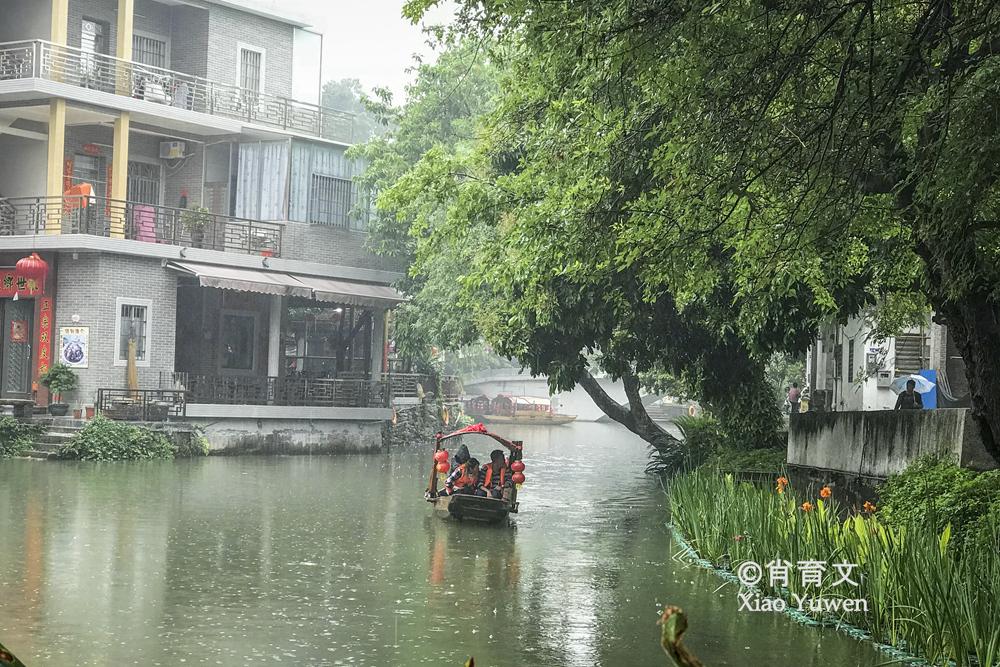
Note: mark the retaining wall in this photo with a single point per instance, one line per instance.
(876, 444)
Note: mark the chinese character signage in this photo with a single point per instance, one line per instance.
(44, 334)
(11, 283)
(74, 346)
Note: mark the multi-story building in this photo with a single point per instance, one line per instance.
(192, 213)
(847, 368)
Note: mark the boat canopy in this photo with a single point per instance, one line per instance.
(513, 446)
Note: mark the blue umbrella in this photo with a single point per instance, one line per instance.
(923, 384)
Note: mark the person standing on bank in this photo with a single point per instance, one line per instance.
(794, 394)
(910, 399)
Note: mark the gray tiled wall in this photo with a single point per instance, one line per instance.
(89, 286)
(230, 27)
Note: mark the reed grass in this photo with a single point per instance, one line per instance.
(923, 595)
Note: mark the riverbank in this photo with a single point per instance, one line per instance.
(907, 587)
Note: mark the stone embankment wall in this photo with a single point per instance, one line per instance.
(291, 436)
(876, 444)
(416, 425)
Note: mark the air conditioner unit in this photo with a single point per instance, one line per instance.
(172, 150)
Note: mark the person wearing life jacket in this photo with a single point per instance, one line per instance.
(463, 479)
(495, 477)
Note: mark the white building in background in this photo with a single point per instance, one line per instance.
(847, 369)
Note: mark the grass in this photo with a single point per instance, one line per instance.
(922, 597)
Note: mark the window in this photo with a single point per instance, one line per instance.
(149, 51)
(94, 36)
(251, 69)
(850, 360)
(330, 201)
(132, 325)
(93, 170)
(237, 339)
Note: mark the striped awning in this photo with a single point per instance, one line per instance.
(291, 284)
(243, 280)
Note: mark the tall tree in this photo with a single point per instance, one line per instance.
(808, 157)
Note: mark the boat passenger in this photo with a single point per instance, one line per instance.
(463, 479)
(494, 477)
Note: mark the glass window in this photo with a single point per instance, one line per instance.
(850, 360)
(132, 327)
(331, 200)
(237, 341)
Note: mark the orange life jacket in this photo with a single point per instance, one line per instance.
(465, 479)
(489, 476)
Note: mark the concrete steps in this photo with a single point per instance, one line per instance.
(58, 432)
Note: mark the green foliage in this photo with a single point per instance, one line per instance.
(59, 379)
(936, 491)
(16, 436)
(103, 439)
(736, 172)
(920, 594)
(196, 219)
(705, 443)
(197, 445)
(348, 95)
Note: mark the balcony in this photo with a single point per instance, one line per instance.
(282, 391)
(98, 216)
(44, 60)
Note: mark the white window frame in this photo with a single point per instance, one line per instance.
(160, 38)
(243, 46)
(130, 301)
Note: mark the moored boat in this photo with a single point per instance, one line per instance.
(510, 409)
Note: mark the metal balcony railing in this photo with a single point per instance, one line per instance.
(284, 391)
(138, 222)
(45, 60)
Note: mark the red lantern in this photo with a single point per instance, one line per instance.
(33, 268)
(517, 478)
(443, 467)
(517, 466)
(441, 456)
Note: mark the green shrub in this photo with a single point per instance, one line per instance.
(16, 436)
(196, 445)
(706, 444)
(935, 491)
(103, 439)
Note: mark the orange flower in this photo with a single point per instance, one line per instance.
(807, 506)
(868, 507)
(782, 483)
(825, 492)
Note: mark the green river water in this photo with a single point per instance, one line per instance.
(338, 561)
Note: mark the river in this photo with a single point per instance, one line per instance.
(338, 561)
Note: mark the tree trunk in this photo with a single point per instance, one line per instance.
(974, 323)
(634, 418)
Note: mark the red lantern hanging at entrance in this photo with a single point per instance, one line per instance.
(33, 268)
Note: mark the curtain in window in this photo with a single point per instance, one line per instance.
(262, 184)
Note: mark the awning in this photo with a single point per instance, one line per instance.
(351, 293)
(291, 284)
(244, 280)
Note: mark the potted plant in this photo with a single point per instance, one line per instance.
(195, 221)
(58, 379)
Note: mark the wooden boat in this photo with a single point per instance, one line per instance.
(509, 409)
(468, 507)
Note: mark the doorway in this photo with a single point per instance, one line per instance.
(15, 367)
